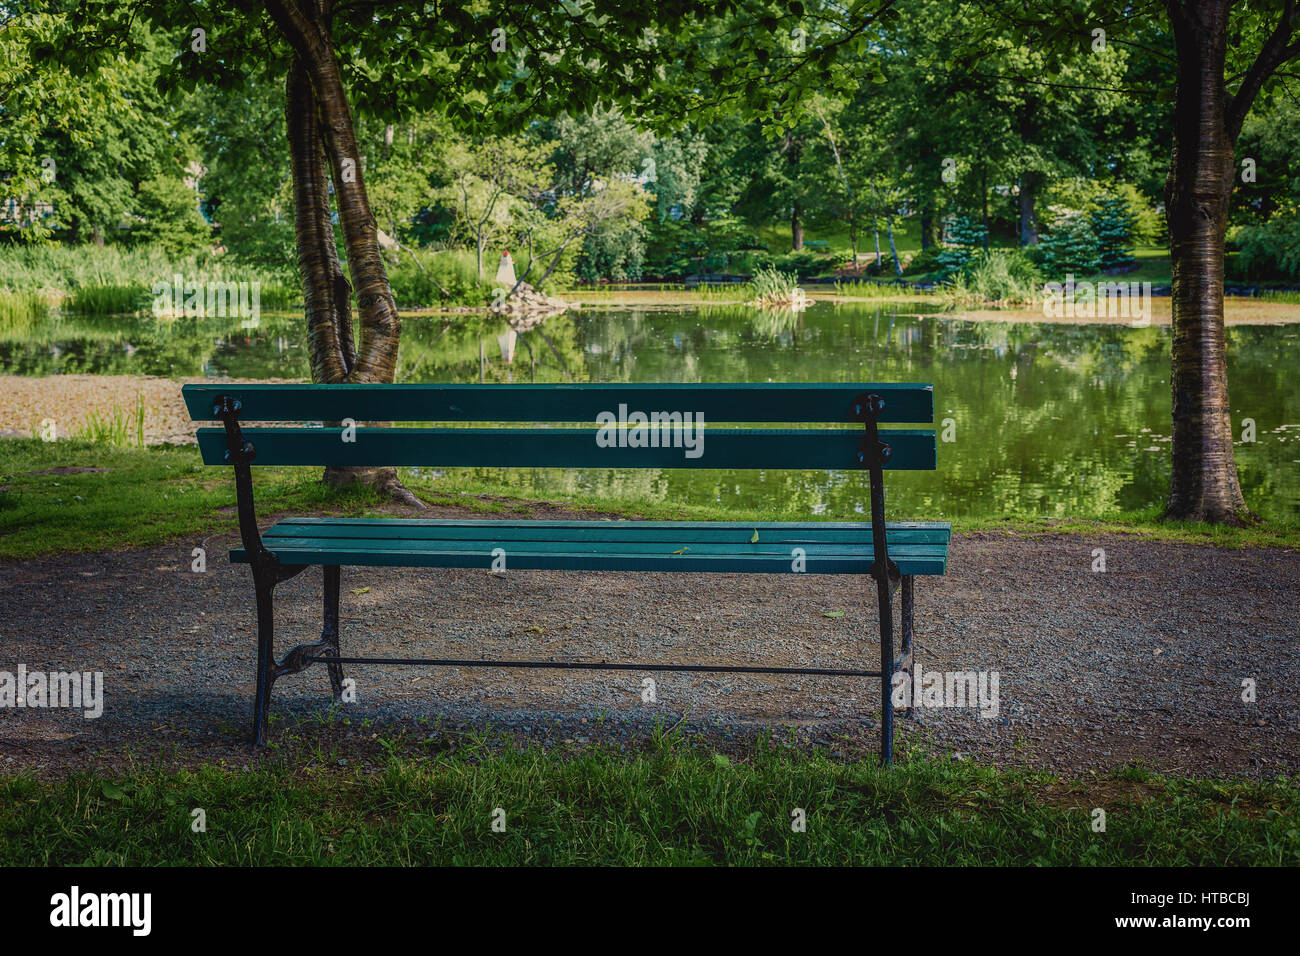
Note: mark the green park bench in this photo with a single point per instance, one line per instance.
(669, 433)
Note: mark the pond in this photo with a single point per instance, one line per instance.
(1045, 419)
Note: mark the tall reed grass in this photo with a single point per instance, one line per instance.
(123, 428)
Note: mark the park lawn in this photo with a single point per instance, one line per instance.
(907, 237)
(675, 803)
(149, 496)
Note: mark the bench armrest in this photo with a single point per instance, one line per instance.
(240, 453)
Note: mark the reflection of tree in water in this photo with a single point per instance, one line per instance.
(472, 348)
(143, 345)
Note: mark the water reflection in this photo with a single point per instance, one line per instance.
(1046, 419)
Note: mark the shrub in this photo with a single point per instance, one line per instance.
(1271, 249)
(922, 263)
(1002, 276)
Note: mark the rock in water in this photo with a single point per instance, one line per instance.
(527, 303)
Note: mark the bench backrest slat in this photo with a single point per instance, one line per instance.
(811, 448)
(905, 403)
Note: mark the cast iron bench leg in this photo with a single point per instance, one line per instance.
(885, 600)
(908, 657)
(265, 658)
(329, 637)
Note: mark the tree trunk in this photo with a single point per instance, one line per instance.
(927, 227)
(1204, 485)
(875, 225)
(320, 104)
(1027, 226)
(329, 315)
(893, 250)
(984, 199)
(796, 226)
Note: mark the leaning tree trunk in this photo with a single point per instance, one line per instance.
(1026, 226)
(1204, 485)
(328, 304)
(322, 136)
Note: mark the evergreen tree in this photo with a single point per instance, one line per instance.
(1071, 246)
(965, 238)
(1113, 226)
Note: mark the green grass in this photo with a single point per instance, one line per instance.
(907, 237)
(19, 310)
(673, 804)
(116, 427)
(149, 496)
(105, 280)
(109, 299)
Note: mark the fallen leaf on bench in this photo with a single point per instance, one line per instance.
(754, 540)
(364, 590)
(832, 614)
(682, 550)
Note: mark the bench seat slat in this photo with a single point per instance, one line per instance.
(905, 402)
(703, 546)
(761, 448)
(601, 531)
(667, 550)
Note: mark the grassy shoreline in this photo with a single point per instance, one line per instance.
(674, 804)
(145, 497)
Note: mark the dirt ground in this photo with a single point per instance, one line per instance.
(1144, 663)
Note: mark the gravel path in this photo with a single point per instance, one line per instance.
(1142, 663)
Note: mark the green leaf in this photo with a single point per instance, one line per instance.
(111, 791)
(832, 614)
(754, 539)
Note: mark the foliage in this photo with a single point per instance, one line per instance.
(1271, 248)
(171, 220)
(448, 278)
